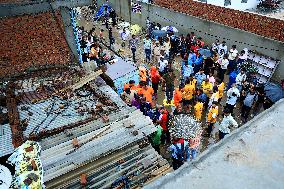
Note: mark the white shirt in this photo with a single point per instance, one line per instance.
(240, 78)
(225, 48)
(163, 65)
(232, 100)
(233, 54)
(224, 63)
(226, 123)
(215, 46)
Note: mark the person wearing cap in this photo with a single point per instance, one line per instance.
(212, 117)
(156, 53)
(227, 122)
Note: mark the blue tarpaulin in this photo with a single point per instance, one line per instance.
(273, 91)
(101, 12)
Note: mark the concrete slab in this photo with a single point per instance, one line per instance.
(250, 157)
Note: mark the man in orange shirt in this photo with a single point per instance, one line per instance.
(212, 117)
(198, 108)
(147, 93)
(130, 85)
(155, 78)
(178, 96)
(188, 92)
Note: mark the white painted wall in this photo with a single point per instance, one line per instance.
(235, 4)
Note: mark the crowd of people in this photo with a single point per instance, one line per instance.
(196, 86)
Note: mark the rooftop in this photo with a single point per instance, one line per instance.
(250, 157)
(32, 41)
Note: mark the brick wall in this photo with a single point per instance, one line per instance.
(261, 25)
(31, 41)
(15, 1)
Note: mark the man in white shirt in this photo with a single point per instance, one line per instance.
(233, 53)
(156, 52)
(162, 65)
(240, 79)
(215, 45)
(228, 121)
(224, 62)
(224, 47)
(232, 96)
(147, 47)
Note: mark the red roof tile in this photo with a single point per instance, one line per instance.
(31, 41)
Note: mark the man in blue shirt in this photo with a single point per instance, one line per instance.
(200, 77)
(191, 57)
(187, 71)
(180, 152)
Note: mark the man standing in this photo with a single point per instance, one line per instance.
(224, 62)
(169, 80)
(133, 46)
(124, 36)
(200, 77)
(147, 47)
(110, 36)
(156, 138)
(187, 71)
(248, 103)
(180, 152)
(240, 79)
(212, 117)
(227, 122)
(223, 47)
(233, 53)
(233, 94)
(156, 52)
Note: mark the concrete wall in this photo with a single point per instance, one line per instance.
(208, 30)
(15, 9)
(69, 32)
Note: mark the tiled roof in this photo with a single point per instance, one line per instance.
(258, 24)
(32, 41)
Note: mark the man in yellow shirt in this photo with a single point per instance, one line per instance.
(221, 88)
(198, 108)
(187, 95)
(192, 81)
(212, 117)
(214, 97)
(207, 87)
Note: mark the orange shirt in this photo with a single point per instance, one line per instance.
(221, 88)
(177, 97)
(212, 115)
(188, 92)
(198, 108)
(148, 93)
